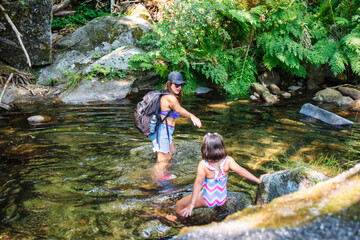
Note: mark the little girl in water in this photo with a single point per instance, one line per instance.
(212, 173)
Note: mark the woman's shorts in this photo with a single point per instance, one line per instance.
(164, 142)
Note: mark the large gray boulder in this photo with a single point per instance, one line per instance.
(328, 95)
(288, 181)
(32, 18)
(97, 39)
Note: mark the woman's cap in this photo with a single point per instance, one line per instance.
(176, 78)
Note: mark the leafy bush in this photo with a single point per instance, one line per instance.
(194, 38)
(82, 16)
(224, 41)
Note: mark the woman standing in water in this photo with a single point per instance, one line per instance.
(162, 139)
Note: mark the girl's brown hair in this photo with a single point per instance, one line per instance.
(213, 148)
(167, 87)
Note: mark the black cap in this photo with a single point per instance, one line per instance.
(176, 78)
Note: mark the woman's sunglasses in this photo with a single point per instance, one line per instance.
(178, 85)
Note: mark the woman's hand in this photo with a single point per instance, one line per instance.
(196, 121)
(186, 212)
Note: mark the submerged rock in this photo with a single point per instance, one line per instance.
(328, 117)
(39, 119)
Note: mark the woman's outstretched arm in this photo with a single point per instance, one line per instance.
(175, 105)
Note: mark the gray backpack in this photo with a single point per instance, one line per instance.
(149, 106)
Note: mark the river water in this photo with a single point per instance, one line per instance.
(89, 174)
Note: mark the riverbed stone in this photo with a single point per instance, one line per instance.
(33, 19)
(355, 106)
(274, 89)
(39, 119)
(269, 98)
(344, 101)
(258, 88)
(352, 92)
(93, 90)
(328, 95)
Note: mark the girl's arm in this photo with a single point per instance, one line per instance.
(175, 105)
(196, 190)
(243, 172)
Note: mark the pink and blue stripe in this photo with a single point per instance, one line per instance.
(215, 190)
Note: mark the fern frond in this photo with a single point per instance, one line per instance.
(337, 63)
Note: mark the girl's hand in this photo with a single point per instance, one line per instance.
(196, 121)
(186, 212)
(262, 176)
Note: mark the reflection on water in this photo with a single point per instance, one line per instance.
(89, 173)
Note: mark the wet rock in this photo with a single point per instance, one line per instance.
(352, 92)
(344, 101)
(286, 95)
(323, 115)
(258, 88)
(328, 95)
(285, 182)
(153, 230)
(274, 89)
(269, 98)
(90, 91)
(253, 98)
(290, 122)
(39, 119)
(202, 90)
(236, 201)
(294, 88)
(355, 106)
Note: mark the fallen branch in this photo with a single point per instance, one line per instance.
(58, 7)
(27, 88)
(18, 35)
(3, 91)
(5, 106)
(130, 2)
(64, 13)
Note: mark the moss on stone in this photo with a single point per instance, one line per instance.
(338, 197)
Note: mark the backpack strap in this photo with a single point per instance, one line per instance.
(167, 126)
(165, 119)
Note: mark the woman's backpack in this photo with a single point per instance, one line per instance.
(149, 106)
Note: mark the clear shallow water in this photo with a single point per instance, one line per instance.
(88, 174)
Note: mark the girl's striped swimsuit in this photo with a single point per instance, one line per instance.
(214, 190)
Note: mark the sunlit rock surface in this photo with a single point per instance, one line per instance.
(287, 181)
(330, 208)
(328, 117)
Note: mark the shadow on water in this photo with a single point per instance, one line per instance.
(90, 174)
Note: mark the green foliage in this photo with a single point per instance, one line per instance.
(83, 15)
(196, 38)
(223, 42)
(290, 39)
(72, 80)
(107, 72)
